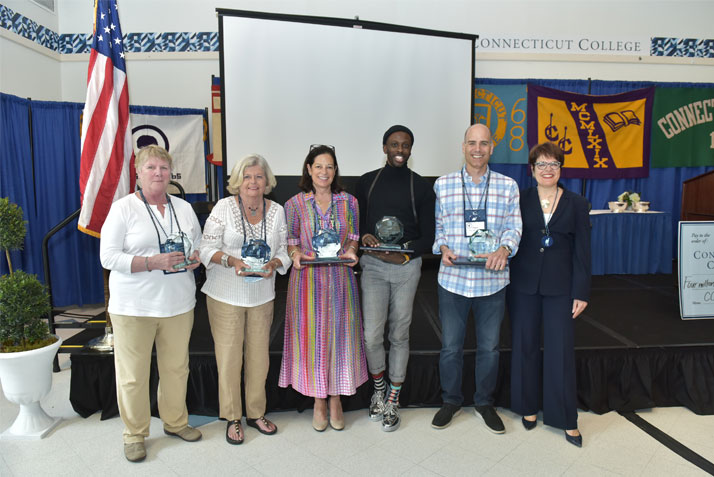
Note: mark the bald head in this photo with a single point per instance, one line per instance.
(484, 129)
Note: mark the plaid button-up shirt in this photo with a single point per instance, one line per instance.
(503, 218)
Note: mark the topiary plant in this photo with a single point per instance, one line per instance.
(24, 302)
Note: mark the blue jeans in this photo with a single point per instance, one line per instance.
(388, 296)
(453, 314)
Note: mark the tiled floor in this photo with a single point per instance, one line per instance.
(612, 446)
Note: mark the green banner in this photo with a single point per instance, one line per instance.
(683, 127)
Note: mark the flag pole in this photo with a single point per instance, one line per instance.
(107, 156)
(105, 342)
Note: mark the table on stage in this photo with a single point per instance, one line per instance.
(631, 242)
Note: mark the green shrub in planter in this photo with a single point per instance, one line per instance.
(24, 302)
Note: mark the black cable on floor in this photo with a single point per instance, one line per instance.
(669, 442)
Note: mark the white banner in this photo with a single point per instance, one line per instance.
(696, 269)
(182, 136)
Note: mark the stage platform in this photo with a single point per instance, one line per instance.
(632, 350)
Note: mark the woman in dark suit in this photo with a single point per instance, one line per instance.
(550, 287)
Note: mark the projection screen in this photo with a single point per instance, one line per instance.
(291, 81)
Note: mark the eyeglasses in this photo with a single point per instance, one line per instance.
(315, 146)
(547, 165)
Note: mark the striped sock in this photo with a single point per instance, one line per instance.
(394, 393)
(379, 384)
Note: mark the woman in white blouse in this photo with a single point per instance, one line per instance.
(244, 244)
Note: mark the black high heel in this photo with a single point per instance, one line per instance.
(577, 441)
(529, 425)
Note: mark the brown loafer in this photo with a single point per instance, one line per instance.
(135, 451)
(188, 433)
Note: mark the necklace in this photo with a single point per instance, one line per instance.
(545, 202)
(253, 211)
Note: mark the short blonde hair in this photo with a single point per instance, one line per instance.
(250, 160)
(152, 151)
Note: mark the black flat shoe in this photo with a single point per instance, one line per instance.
(577, 441)
(529, 425)
(239, 431)
(254, 423)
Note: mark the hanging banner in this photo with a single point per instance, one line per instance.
(182, 136)
(603, 137)
(216, 157)
(683, 127)
(503, 109)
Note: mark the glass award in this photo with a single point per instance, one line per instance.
(389, 230)
(255, 253)
(326, 244)
(481, 242)
(179, 242)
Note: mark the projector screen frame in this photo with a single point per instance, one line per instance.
(326, 21)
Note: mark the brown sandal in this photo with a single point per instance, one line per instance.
(265, 422)
(239, 431)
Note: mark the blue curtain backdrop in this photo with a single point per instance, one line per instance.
(47, 189)
(16, 180)
(663, 187)
(74, 256)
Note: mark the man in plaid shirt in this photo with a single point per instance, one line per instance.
(474, 198)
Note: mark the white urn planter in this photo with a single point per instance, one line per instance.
(26, 378)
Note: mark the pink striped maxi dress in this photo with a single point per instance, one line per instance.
(323, 352)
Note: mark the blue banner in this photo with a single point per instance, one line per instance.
(503, 109)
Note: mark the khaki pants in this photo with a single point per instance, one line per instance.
(134, 337)
(239, 331)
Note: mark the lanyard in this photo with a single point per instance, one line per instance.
(466, 196)
(155, 220)
(547, 230)
(317, 226)
(242, 221)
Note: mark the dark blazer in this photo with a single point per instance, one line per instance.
(563, 268)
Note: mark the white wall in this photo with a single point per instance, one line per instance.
(184, 80)
(29, 73)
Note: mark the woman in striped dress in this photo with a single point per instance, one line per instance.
(323, 354)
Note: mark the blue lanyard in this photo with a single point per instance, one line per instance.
(155, 220)
(466, 196)
(317, 225)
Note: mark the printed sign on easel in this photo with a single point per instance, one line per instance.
(696, 270)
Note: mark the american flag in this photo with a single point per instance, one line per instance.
(107, 164)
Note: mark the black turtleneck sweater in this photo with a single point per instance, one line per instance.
(392, 196)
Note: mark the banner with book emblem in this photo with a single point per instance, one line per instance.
(603, 137)
(683, 127)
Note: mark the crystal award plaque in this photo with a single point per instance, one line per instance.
(179, 242)
(255, 253)
(481, 242)
(326, 244)
(389, 230)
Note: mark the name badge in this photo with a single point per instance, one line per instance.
(474, 219)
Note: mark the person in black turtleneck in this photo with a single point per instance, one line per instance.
(389, 279)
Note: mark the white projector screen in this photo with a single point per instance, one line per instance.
(289, 82)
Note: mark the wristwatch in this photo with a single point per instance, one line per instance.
(509, 249)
